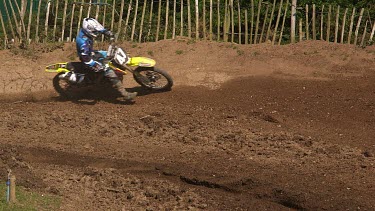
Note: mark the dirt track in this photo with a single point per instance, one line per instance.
(245, 128)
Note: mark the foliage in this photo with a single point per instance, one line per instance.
(149, 32)
(343, 3)
(28, 200)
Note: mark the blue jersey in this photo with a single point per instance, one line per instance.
(85, 48)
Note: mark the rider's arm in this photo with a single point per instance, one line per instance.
(107, 33)
(85, 54)
(87, 58)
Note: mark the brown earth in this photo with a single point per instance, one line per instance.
(257, 127)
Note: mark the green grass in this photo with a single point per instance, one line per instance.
(151, 53)
(240, 52)
(179, 52)
(27, 201)
(256, 53)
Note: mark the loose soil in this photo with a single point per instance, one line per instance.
(256, 127)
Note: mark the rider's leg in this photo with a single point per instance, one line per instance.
(116, 82)
(73, 77)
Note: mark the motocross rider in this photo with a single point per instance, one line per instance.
(85, 41)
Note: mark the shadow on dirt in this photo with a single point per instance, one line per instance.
(110, 96)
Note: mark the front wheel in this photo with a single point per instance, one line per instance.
(153, 78)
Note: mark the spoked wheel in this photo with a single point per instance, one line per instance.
(65, 88)
(153, 78)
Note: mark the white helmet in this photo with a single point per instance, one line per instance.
(92, 27)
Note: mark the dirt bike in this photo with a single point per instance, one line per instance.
(143, 69)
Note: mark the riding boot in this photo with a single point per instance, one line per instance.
(116, 82)
(120, 88)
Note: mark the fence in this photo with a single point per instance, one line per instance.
(255, 21)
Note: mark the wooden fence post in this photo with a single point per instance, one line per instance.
(225, 35)
(300, 30)
(12, 193)
(239, 23)
(63, 23)
(143, 16)
(46, 22)
(113, 14)
(182, 18)
(37, 22)
(204, 19)
(174, 19)
(232, 19)
(22, 13)
(71, 23)
(351, 26)
(270, 21)
(4, 30)
(119, 29)
(127, 18)
(358, 25)
(189, 19)
(89, 10)
(29, 24)
(9, 20)
(246, 29)
(18, 29)
(55, 22)
(293, 22)
(314, 22)
(150, 20)
(252, 22)
(97, 12)
(104, 16)
(282, 26)
(21, 26)
(329, 23)
(210, 36)
(277, 22)
(322, 23)
(80, 17)
(372, 33)
(134, 20)
(337, 23)
(257, 24)
(218, 20)
(158, 24)
(166, 20)
(307, 23)
(264, 23)
(364, 35)
(343, 26)
(196, 20)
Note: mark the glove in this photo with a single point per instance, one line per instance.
(97, 67)
(109, 34)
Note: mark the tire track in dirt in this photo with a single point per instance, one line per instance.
(245, 188)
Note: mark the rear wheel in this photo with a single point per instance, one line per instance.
(153, 78)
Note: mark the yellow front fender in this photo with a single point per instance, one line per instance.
(57, 68)
(142, 62)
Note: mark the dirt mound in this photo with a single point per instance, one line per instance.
(257, 127)
(191, 63)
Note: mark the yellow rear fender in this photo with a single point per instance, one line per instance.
(141, 61)
(57, 68)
